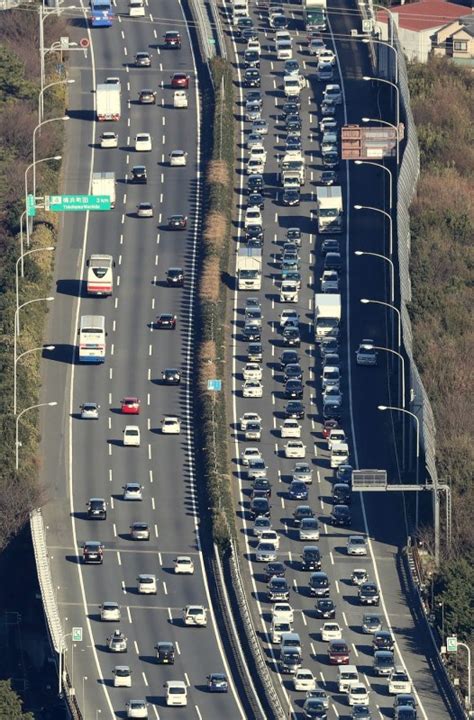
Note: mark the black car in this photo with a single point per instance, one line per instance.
(177, 222)
(93, 552)
(252, 78)
(330, 160)
(288, 357)
(383, 640)
(255, 183)
(256, 200)
(171, 376)
(325, 608)
(165, 321)
(290, 108)
(344, 474)
(97, 509)
(333, 261)
(293, 371)
(311, 558)
(138, 175)
(295, 409)
(251, 59)
(369, 594)
(261, 487)
(217, 683)
(293, 143)
(341, 516)
(260, 506)
(165, 653)
(274, 569)
(318, 584)
(293, 122)
(252, 331)
(290, 661)
(341, 494)
(328, 177)
(291, 198)
(254, 232)
(255, 352)
(280, 22)
(278, 589)
(302, 511)
(242, 23)
(298, 490)
(175, 277)
(313, 709)
(330, 245)
(291, 336)
(294, 389)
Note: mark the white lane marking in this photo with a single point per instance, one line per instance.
(186, 677)
(144, 679)
(178, 649)
(165, 589)
(119, 559)
(129, 614)
(135, 645)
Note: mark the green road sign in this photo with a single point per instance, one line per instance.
(214, 385)
(30, 206)
(77, 634)
(451, 644)
(75, 203)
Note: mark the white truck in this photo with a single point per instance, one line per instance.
(327, 315)
(314, 12)
(329, 209)
(103, 183)
(292, 167)
(289, 291)
(249, 269)
(108, 101)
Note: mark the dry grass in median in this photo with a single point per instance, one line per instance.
(210, 279)
(215, 232)
(218, 172)
(207, 362)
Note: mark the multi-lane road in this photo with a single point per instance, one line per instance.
(90, 459)
(380, 519)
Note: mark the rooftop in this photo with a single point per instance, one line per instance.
(424, 15)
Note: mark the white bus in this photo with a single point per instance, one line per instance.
(92, 339)
(100, 275)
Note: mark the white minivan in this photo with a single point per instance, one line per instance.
(176, 692)
(347, 677)
(136, 8)
(339, 454)
(131, 436)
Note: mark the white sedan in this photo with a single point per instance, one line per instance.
(304, 680)
(358, 695)
(250, 453)
(331, 631)
(295, 449)
(356, 545)
(258, 152)
(253, 216)
(143, 142)
(327, 55)
(252, 389)
(266, 552)
(282, 612)
(183, 565)
(290, 428)
(336, 435)
(171, 425)
(270, 536)
(109, 140)
(252, 371)
(249, 417)
(178, 158)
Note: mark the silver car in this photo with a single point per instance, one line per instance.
(133, 491)
(309, 529)
(90, 411)
(260, 126)
(302, 472)
(110, 611)
(139, 531)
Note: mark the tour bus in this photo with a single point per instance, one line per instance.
(100, 275)
(92, 339)
(101, 13)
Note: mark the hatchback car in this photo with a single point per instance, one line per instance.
(309, 529)
(147, 97)
(172, 39)
(146, 584)
(110, 612)
(122, 676)
(130, 405)
(138, 175)
(143, 59)
(140, 531)
(145, 210)
(97, 509)
(260, 506)
(133, 491)
(171, 425)
(89, 411)
(165, 321)
(217, 683)
(137, 708)
(180, 80)
(177, 222)
(341, 516)
(175, 277)
(143, 142)
(93, 552)
(171, 376)
(109, 140)
(319, 584)
(325, 608)
(178, 158)
(369, 594)
(131, 436)
(183, 565)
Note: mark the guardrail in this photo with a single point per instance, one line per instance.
(205, 33)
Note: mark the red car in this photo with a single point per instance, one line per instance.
(328, 426)
(130, 406)
(338, 652)
(180, 80)
(165, 321)
(172, 39)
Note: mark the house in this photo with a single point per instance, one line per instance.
(418, 22)
(456, 40)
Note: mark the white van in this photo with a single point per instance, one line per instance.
(131, 436)
(136, 8)
(180, 99)
(339, 454)
(176, 692)
(292, 85)
(284, 49)
(347, 677)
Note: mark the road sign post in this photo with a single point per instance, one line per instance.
(77, 634)
(30, 206)
(214, 385)
(451, 644)
(76, 203)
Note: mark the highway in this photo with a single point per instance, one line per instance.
(86, 458)
(381, 519)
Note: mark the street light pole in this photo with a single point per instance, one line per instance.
(365, 301)
(41, 348)
(385, 122)
(44, 122)
(397, 107)
(417, 469)
(382, 167)
(42, 91)
(17, 290)
(84, 678)
(402, 361)
(32, 407)
(387, 215)
(33, 165)
(360, 253)
(469, 673)
(368, 41)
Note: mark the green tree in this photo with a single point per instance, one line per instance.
(454, 587)
(10, 703)
(13, 83)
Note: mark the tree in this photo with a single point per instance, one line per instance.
(10, 703)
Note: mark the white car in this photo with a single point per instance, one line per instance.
(131, 436)
(180, 99)
(255, 166)
(171, 425)
(336, 435)
(254, 45)
(136, 8)
(290, 428)
(358, 695)
(183, 565)
(110, 612)
(258, 152)
(250, 453)
(270, 535)
(366, 353)
(331, 376)
(253, 216)
(339, 454)
(252, 389)
(282, 35)
(195, 615)
(399, 682)
(89, 411)
(359, 576)
(178, 158)
(327, 55)
(309, 529)
(303, 473)
(122, 676)
(143, 142)
(304, 680)
(356, 545)
(145, 209)
(252, 371)
(330, 281)
(137, 709)
(146, 584)
(282, 611)
(331, 631)
(176, 693)
(295, 449)
(249, 417)
(288, 316)
(332, 93)
(261, 524)
(109, 140)
(266, 552)
(253, 431)
(133, 491)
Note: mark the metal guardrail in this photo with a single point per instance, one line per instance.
(218, 29)
(204, 29)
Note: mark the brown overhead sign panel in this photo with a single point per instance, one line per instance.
(369, 143)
